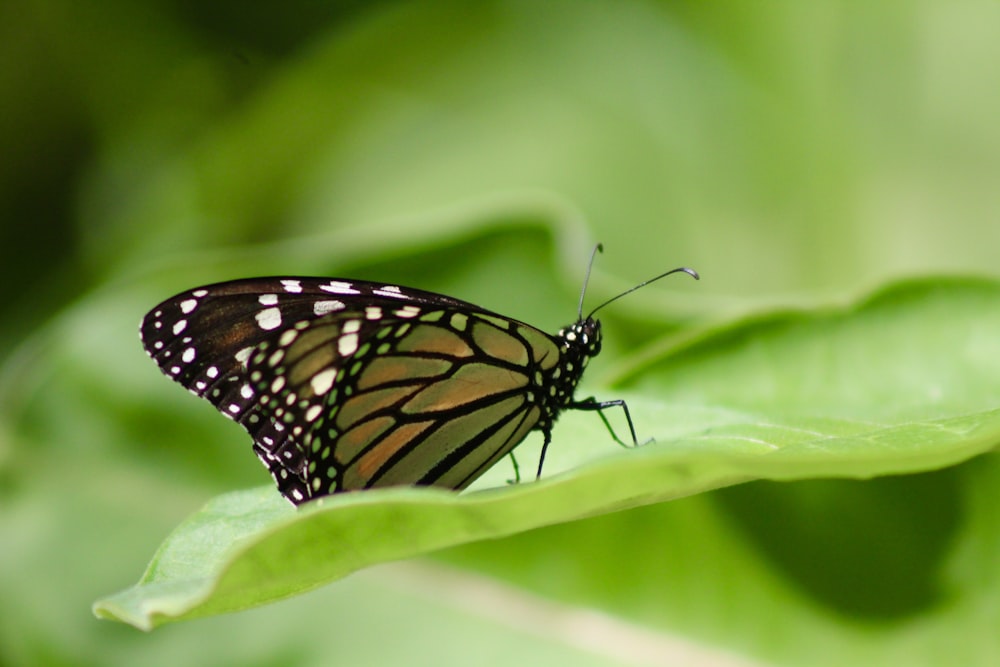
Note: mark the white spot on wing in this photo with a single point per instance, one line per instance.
(187, 305)
(323, 381)
(179, 326)
(351, 326)
(324, 307)
(246, 391)
(268, 299)
(212, 372)
(243, 355)
(389, 290)
(407, 311)
(268, 319)
(347, 343)
(313, 412)
(199, 293)
(188, 356)
(292, 285)
(339, 287)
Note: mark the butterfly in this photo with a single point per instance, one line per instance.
(349, 384)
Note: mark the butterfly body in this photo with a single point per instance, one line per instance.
(346, 385)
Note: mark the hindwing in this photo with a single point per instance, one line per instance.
(415, 395)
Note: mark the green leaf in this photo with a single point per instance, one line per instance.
(905, 381)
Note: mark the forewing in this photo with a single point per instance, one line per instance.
(203, 338)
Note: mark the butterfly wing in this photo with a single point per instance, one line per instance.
(347, 385)
(430, 395)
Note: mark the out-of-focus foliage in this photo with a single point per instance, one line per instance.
(794, 153)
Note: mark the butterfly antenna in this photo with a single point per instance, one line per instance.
(586, 279)
(682, 269)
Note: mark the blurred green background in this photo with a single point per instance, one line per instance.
(792, 152)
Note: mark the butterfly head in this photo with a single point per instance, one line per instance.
(581, 340)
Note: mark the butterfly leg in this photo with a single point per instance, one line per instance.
(545, 446)
(517, 470)
(599, 407)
